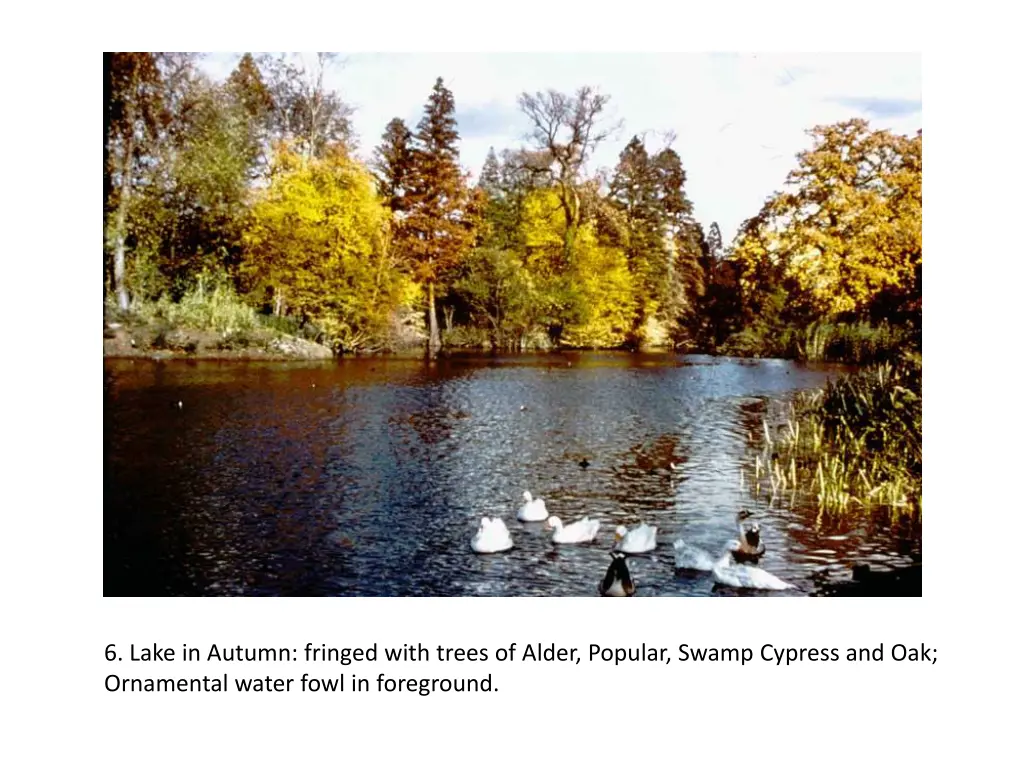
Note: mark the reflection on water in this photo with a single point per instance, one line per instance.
(367, 477)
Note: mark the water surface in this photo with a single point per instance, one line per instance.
(368, 477)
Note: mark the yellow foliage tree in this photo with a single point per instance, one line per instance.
(317, 240)
(848, 226)
(587, 303)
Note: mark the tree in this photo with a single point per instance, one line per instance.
(662, 240)
(714, 242)
(499, 291)
(565, 132)
(213, 153)
(392, 164)
(634, 190)
(505, 184)
(250, 93)
(316, 242)
(847, 229)
(441, 212)
(587, 303)
(134, 115)
(306, 112)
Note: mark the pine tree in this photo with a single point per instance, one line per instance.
(490, 176)
(246, 87)
(440, 220)
(635, 190)
(714, 242)
(392, 164)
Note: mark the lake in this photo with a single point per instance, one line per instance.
(369, 476)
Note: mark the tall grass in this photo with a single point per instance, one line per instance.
(852, 342)
(211, 304)
(855, 444)
(858, 343)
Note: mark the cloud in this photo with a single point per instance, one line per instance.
(882, 107)
(489, 119)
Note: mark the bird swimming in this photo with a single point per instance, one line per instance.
(533, 511)
(749, 547)
(491, 536)
(643, 538)
(617, 581)
(578, 532)
(732, 574)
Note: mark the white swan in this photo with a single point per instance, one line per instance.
(617, 580)
(643, 538)
(731, 574)
(533, 511)
(692, 558)
(491, 536)
(574, 533)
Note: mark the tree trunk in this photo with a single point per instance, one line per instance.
(120, 225)
(435, 334)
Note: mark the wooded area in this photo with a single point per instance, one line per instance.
(252, 188)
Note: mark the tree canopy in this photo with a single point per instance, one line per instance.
(259, 178)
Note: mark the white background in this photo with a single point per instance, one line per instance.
(57, 623)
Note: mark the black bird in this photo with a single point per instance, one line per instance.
(584, 463)
(617, 581)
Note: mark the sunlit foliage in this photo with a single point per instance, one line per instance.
(315, 246)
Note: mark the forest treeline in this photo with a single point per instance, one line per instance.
(250, 192)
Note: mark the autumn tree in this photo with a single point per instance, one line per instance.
(440, 208)
(565, 130)
(847, 228)
(315, 243)
(392, 164)
(589, 302)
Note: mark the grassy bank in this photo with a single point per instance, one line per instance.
(856, 444)
(210, 321)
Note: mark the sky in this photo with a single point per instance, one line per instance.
(739, 118)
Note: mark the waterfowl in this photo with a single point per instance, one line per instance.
(749, 547)
(534, 510)
(643, 538)
(491, 536)
(617, 581)
(732, 574)
(691, 558)
(579, 532)
(584, 463)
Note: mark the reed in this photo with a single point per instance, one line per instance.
(853, 445)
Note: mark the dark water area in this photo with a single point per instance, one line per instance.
(369, 476)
